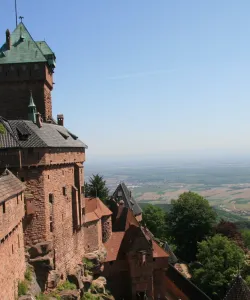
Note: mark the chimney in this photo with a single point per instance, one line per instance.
(39, 120)
(120, 209)
(60, 120)
(8, 39)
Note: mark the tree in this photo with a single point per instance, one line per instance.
(246, 238)
(97, 188)
(220, 259)
(189, 221)
(231, 231)
(154, 218)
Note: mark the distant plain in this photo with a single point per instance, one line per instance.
(225, 185)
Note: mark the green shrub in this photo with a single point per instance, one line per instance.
(28, 274)
(89, 296)
(22, 288)
(66, 286)
(88, 264)
(42, 297)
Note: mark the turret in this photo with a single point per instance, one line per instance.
(32, 109)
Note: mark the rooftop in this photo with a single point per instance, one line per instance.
(24, 49)
(26, 134)
(238, 290)
(132, 236)
(128, 199)
(10, 185)
(95, 209)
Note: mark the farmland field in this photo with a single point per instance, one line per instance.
(225, 185)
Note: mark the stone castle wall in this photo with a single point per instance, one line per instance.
(106, 228)
(93, 236)
(67, 239)
(11, 213)
(12, 266)
(16, 81)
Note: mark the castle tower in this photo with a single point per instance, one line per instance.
(25, 65)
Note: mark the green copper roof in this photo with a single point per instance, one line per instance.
(24, 49)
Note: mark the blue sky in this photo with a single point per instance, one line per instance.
(147, 77)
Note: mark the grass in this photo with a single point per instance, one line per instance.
(22, 288)
(28, 274)
(66, 285)
(89, 296)
(24, 284)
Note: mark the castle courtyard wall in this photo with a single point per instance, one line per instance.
(12, 266)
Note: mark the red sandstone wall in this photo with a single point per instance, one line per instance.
(106, 228)
(16, 81)
(118, 276)
(35, 229)
(68, 243)
(39, 157)
(12, 266)
(93, 236)
(14, 212)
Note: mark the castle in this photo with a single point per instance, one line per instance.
(45, 219)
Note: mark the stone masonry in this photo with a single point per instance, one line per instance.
(12, 258)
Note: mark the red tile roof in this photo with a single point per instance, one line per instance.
(158, 251)
(113, 245)
(132, 231)
(95, 209)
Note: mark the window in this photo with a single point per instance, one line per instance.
(51, 226)
(64, 191)
(4, 208)
(51, 198)
(22, 179)
(12, 249)
(18, 239)
(17, 200)
(82, 189)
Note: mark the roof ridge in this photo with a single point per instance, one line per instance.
(31, 38)
(46, 45)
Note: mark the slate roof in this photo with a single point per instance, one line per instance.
(129, 201)
(238, 290)
(10, 185)
(26, 134)
(95, 209)
(172, 258)
(24, 49)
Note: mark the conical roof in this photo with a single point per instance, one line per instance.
(238, 290)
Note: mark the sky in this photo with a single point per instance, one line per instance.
(147, 78)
